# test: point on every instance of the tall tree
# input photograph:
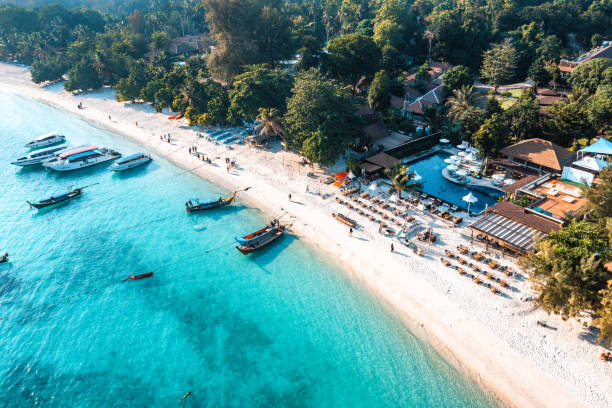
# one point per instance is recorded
(350, 57)
(498, 63)
(379, 96)
(402, 179)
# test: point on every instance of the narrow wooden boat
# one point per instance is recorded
(141, 276)
(4, 258)
(259, 239)
(59, 198)
(194, 205)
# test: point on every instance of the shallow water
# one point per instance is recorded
(282, 327)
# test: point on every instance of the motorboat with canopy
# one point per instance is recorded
(38, 156)
(130, 162)
(48, 139)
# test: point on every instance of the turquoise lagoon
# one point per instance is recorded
(280, 328)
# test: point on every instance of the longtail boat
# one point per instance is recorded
(194, 204)
(259, 239)
(4, 258)
(141, 276)
(58, 198)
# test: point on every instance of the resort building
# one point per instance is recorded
(512, 227)
(593, 159)
(419, 94)
(375, 165)
(604, 51)
(539, 154)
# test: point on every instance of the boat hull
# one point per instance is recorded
(51, 201)
(130, 165)
(44, 143)
(64, 166)
(209, 206)
(142, 276)
(262, 242)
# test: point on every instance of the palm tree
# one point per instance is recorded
(402, 179)
(429, 36)
(270, 123)
(462, 100)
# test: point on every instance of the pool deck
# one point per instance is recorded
(473, 182)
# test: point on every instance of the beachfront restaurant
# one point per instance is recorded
(511, 227)
(375, 165)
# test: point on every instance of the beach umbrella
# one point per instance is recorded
(470, 198)
(498, 177)
(452, 167)
(474, 168)
(341, 176)
(455, 157)
(509, 181)
(373, 187)
(417, 177)
(461, 172)
(469, 157)
(449, 161)
(351, 175)
(393, 198)
(444, 141)
(461, 154)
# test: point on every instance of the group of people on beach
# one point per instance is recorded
(165, 137)
(193, 150)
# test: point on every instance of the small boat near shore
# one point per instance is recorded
(56, 199)
(130, 162)
(84, 157)
(4, 258)
(48, 139)
(259, 239)
(38, 156)
(194, 204)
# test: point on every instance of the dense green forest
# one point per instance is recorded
(352, 53)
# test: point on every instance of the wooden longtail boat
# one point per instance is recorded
(259, 239)
(4, 258)
(194, 205)
(58, 199)
(141, 276)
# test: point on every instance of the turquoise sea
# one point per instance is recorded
(281, 328)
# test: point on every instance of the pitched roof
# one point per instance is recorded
(604, 51)
(602, 146)
(383, 160)
(436, 96)
(519, 214)
(539, 151)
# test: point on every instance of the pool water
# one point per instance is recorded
(434, 183)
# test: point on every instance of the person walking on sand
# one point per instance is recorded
(350, 232)
(289, 196)
(136, 124)
(392, 249)
(109, 117)
(307, 189)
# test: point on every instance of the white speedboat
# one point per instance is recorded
(82, 159)
(38, 156)
(48, 139)
(130, 162)
(67, 153)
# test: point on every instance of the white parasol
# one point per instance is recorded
(393, 198)
(498, 177)
(452, 167)
(373, 187)
(469, 157)
(461, 172)
(470, 198)
(475, 169)
(509, 181)
(417, 176)
(462, 154)
(351, 175)
(444, 141)
(449, 161)
(455, 157)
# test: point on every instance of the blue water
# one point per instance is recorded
(280, 328)
(430, 168)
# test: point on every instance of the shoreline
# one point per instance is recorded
(463, 341)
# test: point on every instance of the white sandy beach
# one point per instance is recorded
(493, 338)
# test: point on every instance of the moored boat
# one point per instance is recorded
(60, 198)
(130, 162)
(194, 204)
(48, 139)
(38, 156)
(141, 276)
(4, 258)
(259, 239)
(84, 158)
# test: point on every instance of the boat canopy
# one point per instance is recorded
(81, 155)
(77, 151)
(132, 157)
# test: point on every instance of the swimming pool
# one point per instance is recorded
(430, 169)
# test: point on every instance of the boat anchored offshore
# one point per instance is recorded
(259, 239)
(48, 139)
(4, 258)
(58, 198)
(38, 156)
(81, 158)
(130, 162)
